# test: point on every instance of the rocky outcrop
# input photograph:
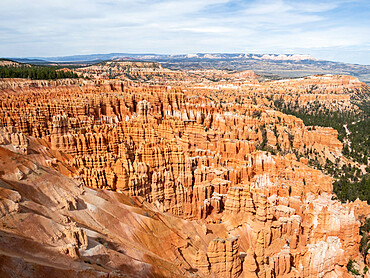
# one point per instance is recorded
(9, 202)
(76, 239)
(223, 256)
(13, 140)
(165, 155)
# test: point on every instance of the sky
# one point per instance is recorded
(336, 30)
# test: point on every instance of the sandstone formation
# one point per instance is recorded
(170, 181)
(151, 72)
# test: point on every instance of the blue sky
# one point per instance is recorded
(331, 30)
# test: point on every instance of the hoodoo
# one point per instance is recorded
(112, 178)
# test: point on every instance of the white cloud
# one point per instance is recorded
(48, 28)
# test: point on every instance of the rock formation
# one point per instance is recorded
(112, 172)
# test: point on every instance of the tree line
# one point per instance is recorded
(35, 72)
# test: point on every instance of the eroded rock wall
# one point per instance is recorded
(191, 154)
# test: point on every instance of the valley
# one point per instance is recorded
(134, 169)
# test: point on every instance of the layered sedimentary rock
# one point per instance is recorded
(223, 256)
(151, 72)
(12, 139)
(165, 155)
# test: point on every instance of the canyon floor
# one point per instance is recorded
(136, 170)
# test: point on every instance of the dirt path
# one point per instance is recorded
(346, 139)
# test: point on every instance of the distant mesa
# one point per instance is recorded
(284, 65)
(114, 56)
